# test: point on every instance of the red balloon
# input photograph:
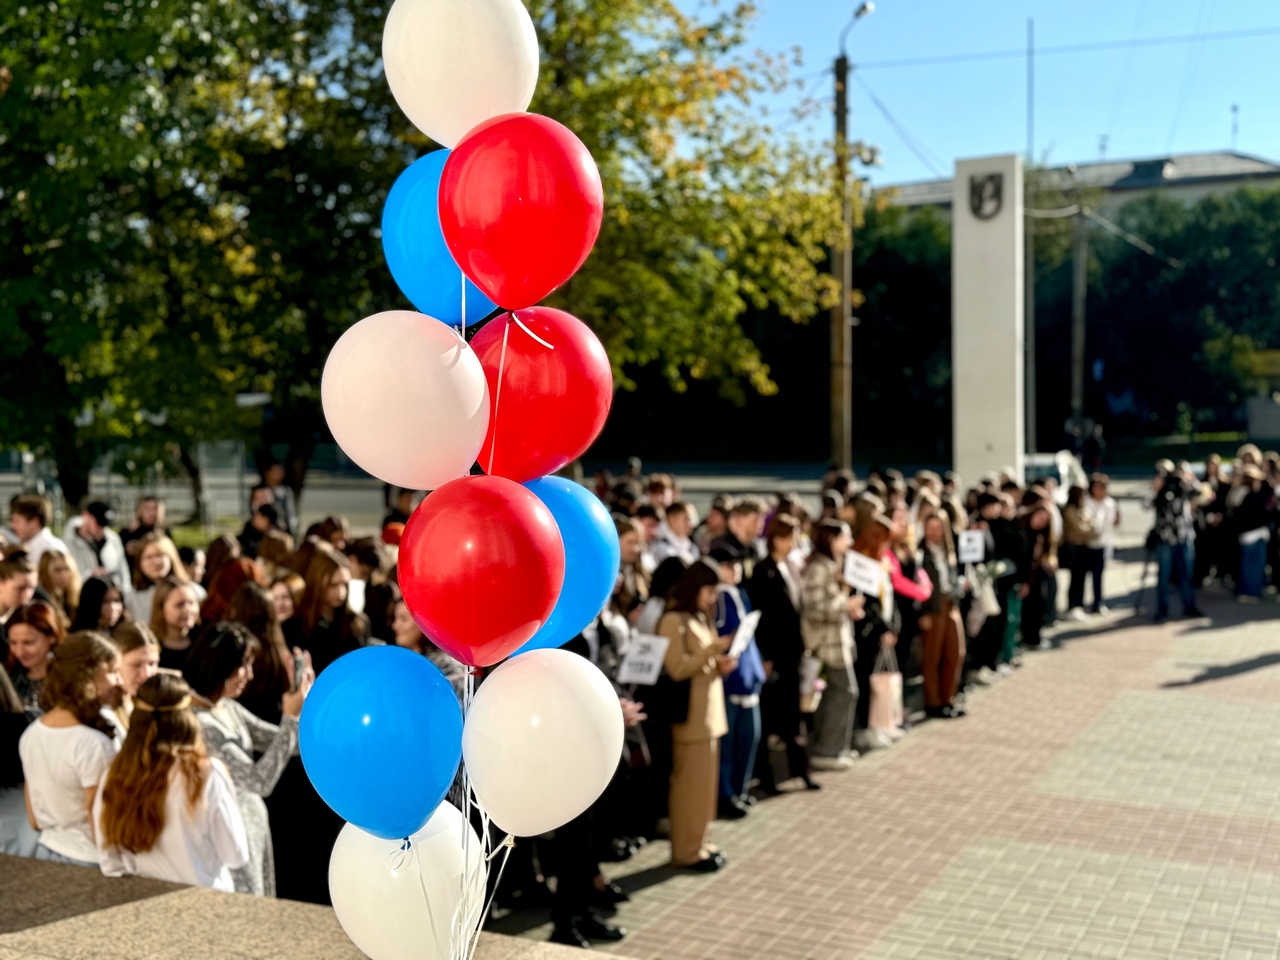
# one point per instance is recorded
(520, 206)
(552, 397)
(481, 567)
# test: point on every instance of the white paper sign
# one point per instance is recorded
(863, 573)
(973, 546)
(746, 630)
(643, 663)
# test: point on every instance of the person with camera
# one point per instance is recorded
(1174, 536)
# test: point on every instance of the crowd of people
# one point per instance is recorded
(151, 695)
(151, 698)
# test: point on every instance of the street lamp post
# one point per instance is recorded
(842, 267)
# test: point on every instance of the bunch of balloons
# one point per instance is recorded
(507, 563)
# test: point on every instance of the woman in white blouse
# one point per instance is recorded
(165, 809)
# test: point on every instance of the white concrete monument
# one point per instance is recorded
(987, 317)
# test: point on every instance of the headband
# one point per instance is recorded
(180, 705)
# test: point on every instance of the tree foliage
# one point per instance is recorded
(190, 194)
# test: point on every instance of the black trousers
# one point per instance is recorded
(867, 649)
(576, 868)
(780, 717)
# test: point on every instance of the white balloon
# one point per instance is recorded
(401, 906)
(406, 399)
(454, 63)
(542, 740)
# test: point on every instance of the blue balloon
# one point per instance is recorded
(591, 559)
(413, 242)
(381, 739)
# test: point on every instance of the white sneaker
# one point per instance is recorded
(1077, 614)
(1004, 669)
(886, 740)
(1103, 610)
(829, 763)
(986, 676)
(893, 735)
(866, 741)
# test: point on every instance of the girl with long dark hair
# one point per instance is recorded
(218, 669)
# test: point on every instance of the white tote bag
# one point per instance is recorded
(886, 693)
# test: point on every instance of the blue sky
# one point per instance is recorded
(1148, 101)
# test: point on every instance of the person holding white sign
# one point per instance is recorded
(695, 654)
(827, 613)
(741, 687)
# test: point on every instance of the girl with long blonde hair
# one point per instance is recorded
(60, 579)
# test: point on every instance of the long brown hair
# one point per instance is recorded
(221, 551)
(252, 606)
(325, 562)
(163, 589)
(163, 732)
(875, 536)
(72, 674)
(176, 570)
(233, 574)
(68, 599)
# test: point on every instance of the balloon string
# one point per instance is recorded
(507, 846)
(497, 397)
(530, 332)
(408, 850)
(463, 279)
(461, 940)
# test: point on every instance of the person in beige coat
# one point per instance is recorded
(695, 654)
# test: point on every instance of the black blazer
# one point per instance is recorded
(778, 634)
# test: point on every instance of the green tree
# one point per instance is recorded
(191, 192)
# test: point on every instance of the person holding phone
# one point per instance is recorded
(218, 669)
(695, 654)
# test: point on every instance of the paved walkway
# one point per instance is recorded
(1116, 797)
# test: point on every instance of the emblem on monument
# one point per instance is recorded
(986, 194)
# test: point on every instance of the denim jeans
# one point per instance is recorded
(44, 853)
(738, 748)
(16, 836)
(1253, 568)
(1174, 560)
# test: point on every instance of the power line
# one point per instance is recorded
(914, 145)
(1124, 75)
(1132, 239)
(1189, 71)
(1073, 48)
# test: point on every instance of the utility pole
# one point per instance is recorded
(1031, 90)
(842, 267)
(1029, 334)
(1079, 288)
(842, 270)
(1235, 125)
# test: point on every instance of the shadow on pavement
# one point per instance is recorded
(1222, 671)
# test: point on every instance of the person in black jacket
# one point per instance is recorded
(774, 590)
(1003, 543)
